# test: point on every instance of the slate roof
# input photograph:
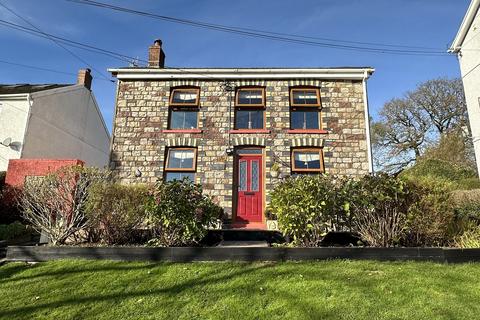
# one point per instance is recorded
(28, 88)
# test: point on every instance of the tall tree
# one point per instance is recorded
(443, 101)
(408, 125)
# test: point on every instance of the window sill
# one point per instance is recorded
(317, 131)
(250, 131)
(182, 131)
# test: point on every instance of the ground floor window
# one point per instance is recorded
(307, 160)
(180, 163)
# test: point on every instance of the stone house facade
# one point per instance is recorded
(238, 132)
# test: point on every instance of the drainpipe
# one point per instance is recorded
(110, 164)
(367, 122)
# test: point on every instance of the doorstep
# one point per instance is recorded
(246, 226)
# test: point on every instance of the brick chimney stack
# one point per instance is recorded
(156, 56)
(85, 78)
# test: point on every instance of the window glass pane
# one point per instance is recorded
(249, 119)
(242, 176)
(297, 119)
(307, 159)
(170, 176)
(178, 159)
(250, 96)
(255, 176)
(305, 97)
(183, 119)
(184, 96)
(241, 119)
(249, 151)
(311, 120)
(304, 119)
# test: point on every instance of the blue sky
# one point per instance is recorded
(426, 23)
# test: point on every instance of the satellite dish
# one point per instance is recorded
(7, 142)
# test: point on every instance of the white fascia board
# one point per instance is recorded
(16, 96)
(236, 74)
(465, 26)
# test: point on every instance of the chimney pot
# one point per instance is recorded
(156, 56)
(85, 78)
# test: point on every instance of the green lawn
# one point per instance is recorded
(79, 289)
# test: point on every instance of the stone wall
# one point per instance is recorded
(142, 114)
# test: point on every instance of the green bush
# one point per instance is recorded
(467, 208)
(380, 205)
(12, 231)
(115, 211)
(307, 207)
(2, 180)
(179, 213)
(468, 184)
(431, 218)
(9, 211)
(468, 239)
(459, 176)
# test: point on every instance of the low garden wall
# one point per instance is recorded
(188, 254)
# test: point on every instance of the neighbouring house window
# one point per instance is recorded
(184, 105)
(307, 160)
(305, 108)
(250, 108)
(180, 163)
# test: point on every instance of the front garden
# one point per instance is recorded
(433, 204)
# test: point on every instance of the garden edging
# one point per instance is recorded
(187, 254)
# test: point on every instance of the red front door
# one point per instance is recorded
(249, 188)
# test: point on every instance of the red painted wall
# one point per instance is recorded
(20, 168)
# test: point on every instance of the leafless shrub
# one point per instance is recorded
(55, 203)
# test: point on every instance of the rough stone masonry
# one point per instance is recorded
(142, 109)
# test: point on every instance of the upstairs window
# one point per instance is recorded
(183, 119)
(184, 105)
(307, 160)
(180, 163)
(250, 108)
(250, 97)
(185, 97)
(305, 97)
(305, 108)
(301, 118)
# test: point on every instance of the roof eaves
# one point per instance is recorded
(465, 26)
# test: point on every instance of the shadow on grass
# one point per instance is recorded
(79, 267)
(175, 289)
(9, 270)
(352, 278)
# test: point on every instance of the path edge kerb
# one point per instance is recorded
(190, 254)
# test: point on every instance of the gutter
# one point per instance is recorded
(15, 96)
(465, 26)
(235, 74)
(367, 123)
